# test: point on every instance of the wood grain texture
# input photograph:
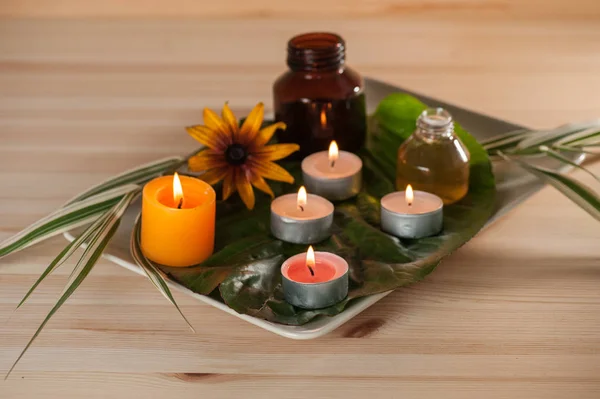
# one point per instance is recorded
(513, 314)
(307, 9)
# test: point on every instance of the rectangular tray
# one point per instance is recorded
(514, 186)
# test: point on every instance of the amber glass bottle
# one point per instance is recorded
(433, 159)
(319, 98)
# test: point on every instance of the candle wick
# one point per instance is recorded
(410, 204)
(180, 204)
(301, 208)
(312, 272)
(332, 163)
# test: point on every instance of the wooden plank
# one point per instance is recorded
(308, 9)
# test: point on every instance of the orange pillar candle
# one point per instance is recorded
(178, 220)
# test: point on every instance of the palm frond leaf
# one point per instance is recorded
(95, 246)
(565, 132)
(138, 175)
(577, 192)
(65, 254)
(585, 137)
(590, 150)
(72, 216)
(507, 140)
(556, 155)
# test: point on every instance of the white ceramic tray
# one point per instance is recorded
(514, 186)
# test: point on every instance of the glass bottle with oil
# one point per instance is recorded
(433, 158)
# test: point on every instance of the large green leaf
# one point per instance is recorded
(247, 259)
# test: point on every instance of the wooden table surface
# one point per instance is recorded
(85, 94)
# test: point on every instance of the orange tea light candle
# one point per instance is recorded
(178, 220)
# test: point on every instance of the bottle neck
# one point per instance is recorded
(316, 52)
(434, 123)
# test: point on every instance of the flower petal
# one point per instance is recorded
(206, 159)
(271, 170)
(260, 183)
(230, 121)
(210, 138)
(229, 184)
(267, 133)
(215, 175)
(276, 151)
(252, 124)
(216, 124)
(244, 188)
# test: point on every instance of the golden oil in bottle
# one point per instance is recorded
(433, 159)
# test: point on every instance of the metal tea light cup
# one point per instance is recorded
(334, 189)
(301, 231)
(337, 183)
(307, 224)
(316, 295)
(406, 225)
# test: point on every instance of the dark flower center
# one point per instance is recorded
(236, 154)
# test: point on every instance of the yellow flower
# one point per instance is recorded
(239, 154)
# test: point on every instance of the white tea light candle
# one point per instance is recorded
(302, 218)
(335, 175)
(411, 214)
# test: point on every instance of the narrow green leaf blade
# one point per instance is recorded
(138, 175)
(549, 136)
(579, 150)
(61, 258)
(506, 141)
(70, 249)
(587, 136)
(504, 136)
(106, 223)
(70, 217)
(154, 275)
(577, 192)
(553, 154)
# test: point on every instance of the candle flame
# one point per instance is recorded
(409, 196)
(323, 118)
(177, 191)
(310, 260)
(333, 153)
(302, 198)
